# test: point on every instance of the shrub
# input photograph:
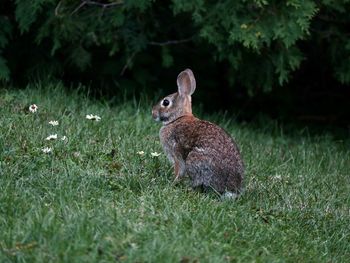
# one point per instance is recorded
(262, 42)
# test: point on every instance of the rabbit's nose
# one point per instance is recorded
(154, 114)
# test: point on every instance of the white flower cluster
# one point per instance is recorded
(154, 154)
(33, 109)
(53, 123)
(93, 117)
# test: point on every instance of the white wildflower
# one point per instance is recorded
(141, 153)
(93, 117)
(134, 245)
(155, 154)
(33, 108)
(64, 138)
(46, 150)
(53, 123)
(277, 177)
(51, 137)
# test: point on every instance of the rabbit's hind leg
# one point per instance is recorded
(199, 170)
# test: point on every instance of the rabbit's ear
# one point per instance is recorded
(186, 83)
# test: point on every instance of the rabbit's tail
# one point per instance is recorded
(230, 196)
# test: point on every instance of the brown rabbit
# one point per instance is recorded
(200, 149)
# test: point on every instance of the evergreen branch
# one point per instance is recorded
(154, 43)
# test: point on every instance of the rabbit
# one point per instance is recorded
(197, 148)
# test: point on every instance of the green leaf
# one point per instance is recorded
(167, 58)
(4, 70)
(5, 31)
(80, 57)
(27, 11)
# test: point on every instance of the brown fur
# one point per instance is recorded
(200, 149)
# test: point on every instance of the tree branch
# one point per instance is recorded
(94, 3)
(77, 9)
(127, 64)
(170, 42)
(117, 3)
(58, 8)
(154, 43)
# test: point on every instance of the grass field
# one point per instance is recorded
(94, 198)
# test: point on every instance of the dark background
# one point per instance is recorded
(286, 60)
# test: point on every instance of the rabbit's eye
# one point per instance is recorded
(165, 103)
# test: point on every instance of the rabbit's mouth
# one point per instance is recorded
(156, 118)
(163, 119)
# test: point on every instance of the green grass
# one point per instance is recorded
(94, 199)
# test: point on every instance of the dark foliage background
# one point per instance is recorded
(290, 59)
